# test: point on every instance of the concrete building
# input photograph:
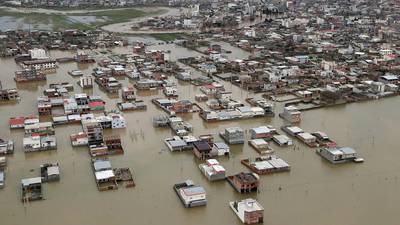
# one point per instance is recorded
(249, 211)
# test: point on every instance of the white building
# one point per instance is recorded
(291, 114)
(212, 170)
(220, 148)
(118, 121)
(192, 194)
(249, 211)
(38, 53)
(86, 81)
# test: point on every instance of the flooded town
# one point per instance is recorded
(199, 112)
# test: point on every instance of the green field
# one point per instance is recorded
(167, 36)
(60, 21)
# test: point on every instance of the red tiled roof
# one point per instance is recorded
(96, 104)
(17, 120)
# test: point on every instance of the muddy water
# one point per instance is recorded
(9, 23)
(314, 192)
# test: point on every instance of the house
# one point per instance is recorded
(190, 194)
(244, 182)
(377, 87)
(184, 76)
(209, 138)
(209, 89)
(98, 150)
(3, 161)
(29, 74)
(2, 178)
(246, 111)
(282, 140)
(6, 147)
(176, 143)
(74, 118)
(57, 120)
(249, 211)
(105, 180)
(305, 95)
(338, 155)
(208, 68)
(308, 139)
(79, 139)
(94, 132)
(8, 94)
(233, 135)
(266, 165)
(323, 139)
(146, 84)
(171, 91)
(292, 130)
(291, 114)
(181, 106)
(31, 189)
(41, 128)
(117, 121)
(131, 106)
(104, 121)
(35, 142)
(114, 145)
(389, 79)
(202, 150)
(86, 82)
(16, 122)
(201, 97)
(223, 95)
(83, 57)
(263, 132)
(128, 93)
(391, 87)
(50, 172)
(44, 108)
(220, 148)
(104, 175)
(40, 64)
(110, 84)
(180, 127)
(212, 170)
(118, 71)
(75, 73)
(302, 59)
(261, 146)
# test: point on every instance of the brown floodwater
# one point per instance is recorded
(314, 192)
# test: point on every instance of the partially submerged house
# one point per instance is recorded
(244, 182)
(104, 175)
(291, 114)
(190, 194)
(50, 172)
(2, 179)
(266, 165)
(31, 189)
(339, 155)
(212, 170)
(233, 135)
(6, 147)
(202, 150)
(249, 211)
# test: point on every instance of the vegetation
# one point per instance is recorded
(167, 37)
(59, 21)
(117, 15)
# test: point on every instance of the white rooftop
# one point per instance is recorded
(106, 174)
